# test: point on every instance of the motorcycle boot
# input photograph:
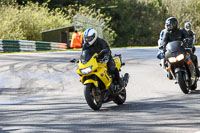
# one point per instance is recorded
(197, 69)
(163, 64)
(197, 72)
(195, 60)
(121, 82)
(114, 71)
(119, 79)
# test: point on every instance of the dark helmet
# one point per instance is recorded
(171, 23)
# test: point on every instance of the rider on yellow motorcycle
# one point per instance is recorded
(95, 44)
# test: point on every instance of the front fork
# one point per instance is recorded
(93, 81)
(97, 89)
(170, 69)
(185, 74)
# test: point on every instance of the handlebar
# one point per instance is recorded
(100, 61)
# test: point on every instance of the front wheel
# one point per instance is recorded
(91, 97)
(181, 82)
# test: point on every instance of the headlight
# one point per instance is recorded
(86, 70)
(180, 57)
(175, 59)
(172, 59)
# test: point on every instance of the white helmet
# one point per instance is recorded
(90, 36)
(188, 26)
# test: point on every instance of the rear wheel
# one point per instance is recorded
(121, 98)
(181, 82)
(91, 97)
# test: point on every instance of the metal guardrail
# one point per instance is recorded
(25, 45)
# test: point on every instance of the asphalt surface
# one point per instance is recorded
(41, 92)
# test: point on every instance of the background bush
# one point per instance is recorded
(138, 23)
(127, 22)
(89, 13)
(26, 22)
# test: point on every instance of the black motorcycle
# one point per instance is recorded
(180, 66)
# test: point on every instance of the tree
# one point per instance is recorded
(26, 22)
(137, 23)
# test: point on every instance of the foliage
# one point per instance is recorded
(99, 4)
(127, 22)
(185, 11)
(137, 23)
(7, 2)
(190, 12)
(93, 18)
(26, 22)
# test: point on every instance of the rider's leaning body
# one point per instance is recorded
(95, 45)
(173, 33)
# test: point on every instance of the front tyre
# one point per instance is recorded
(93, 100)
(121, 98)
(181, 82)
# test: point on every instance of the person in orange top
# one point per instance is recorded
(76, 41)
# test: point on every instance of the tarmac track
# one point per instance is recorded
(41, 92)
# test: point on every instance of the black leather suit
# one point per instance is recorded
(177, 35)
(191, 35)
(174, 35)
(99, 45)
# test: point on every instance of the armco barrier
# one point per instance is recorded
(25, 45)
(42, 46)
(11, 46)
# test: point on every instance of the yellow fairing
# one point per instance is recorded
(91, 81)
(98, 69)
(103, 75)
(92, 62)
(117, 62)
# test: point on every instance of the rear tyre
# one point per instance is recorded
(91, 98)
(181, 82)
(121, 98)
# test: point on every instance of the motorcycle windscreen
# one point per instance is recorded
(173, 46)
(86, 55)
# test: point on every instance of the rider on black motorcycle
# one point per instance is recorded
(95, 45)
(190, 34)
(173, 33)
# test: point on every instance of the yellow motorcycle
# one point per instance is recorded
(100, 86)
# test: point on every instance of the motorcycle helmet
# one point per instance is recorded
(90, 36)
(171, 24)
(188, 26)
